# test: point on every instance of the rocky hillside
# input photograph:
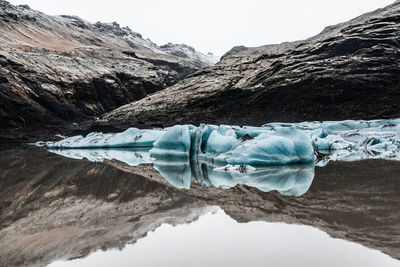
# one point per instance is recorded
(62, 68)
(350, 70)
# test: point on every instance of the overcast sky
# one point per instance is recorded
(214, 25)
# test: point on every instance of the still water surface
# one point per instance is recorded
(217, 240)
(59, 211)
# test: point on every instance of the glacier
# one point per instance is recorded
(275, 156)
(132, 137)
(208, 143)
(270, 144)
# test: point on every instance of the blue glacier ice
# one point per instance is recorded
(218, 143)
(350, 140)
(284, 146)
(271, 144)
(132, 137)
(174, 143)
(221, 144)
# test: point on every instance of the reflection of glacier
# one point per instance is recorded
(130, 156)
(294, 179)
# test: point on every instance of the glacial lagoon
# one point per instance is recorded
(205, 204)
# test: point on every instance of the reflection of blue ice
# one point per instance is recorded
(130, 156)
(291, 180)
(178, 173)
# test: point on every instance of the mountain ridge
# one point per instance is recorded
(57, 69)
(349, 71)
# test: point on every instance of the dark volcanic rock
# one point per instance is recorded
(62, 68)
(348, 71)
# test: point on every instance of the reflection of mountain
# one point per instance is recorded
(53, 207)
(357, 201)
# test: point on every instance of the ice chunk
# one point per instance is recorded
(274, 143)
(174, 143)
(40, 143)
(218, 143)
(284, 146)
(132, 137)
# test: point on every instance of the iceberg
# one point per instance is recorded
(174, 143)
(132, 137)
(271, 144)
(349, 140)
(221, 144)
(284, 146)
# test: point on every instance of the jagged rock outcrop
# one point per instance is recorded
(53, 207)
(185, 51)
(62, 68)
(348, 71)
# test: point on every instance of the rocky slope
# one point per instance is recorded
(62, 68)
(350, 70)
(53, 207)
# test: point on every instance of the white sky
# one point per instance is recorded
(214, 25)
